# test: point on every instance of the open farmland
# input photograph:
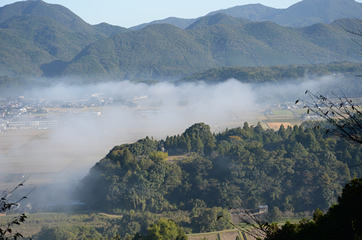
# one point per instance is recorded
(287, 117)
(35, 152)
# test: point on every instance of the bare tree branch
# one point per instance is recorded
(342, 114)
(255, 227)
(6, 232)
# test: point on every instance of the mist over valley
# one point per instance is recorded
(203, 121)
(56, 134)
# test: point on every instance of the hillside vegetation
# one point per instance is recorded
(295, 169)
(40, 39)
(164, 51)
(196, 177)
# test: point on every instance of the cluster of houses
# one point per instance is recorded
(24, 113)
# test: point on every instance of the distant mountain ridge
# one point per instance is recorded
(40, 39)
(56, 12)
(219, 18)
(308, 12)
(163, 51)
(252, 12)
(301, 14)
(178, 22)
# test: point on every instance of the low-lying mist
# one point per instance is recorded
(124, 112)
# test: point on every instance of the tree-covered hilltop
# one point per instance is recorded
(295, 169)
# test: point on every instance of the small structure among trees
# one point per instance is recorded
(263, 209)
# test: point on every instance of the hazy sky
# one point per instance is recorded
(130, 13)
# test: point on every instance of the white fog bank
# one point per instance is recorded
(134, 110)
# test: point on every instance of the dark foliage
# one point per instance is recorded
(164, 229)
(294, 169)
(342, 221)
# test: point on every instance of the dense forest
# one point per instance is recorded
(342, 220)
(199, 174)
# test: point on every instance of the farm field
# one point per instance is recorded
(31, 152)
(286, 117)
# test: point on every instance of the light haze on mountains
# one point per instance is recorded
(132, 13)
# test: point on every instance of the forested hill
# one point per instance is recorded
(167, 52)
(37, 37)
(40, 39)
(296, 169)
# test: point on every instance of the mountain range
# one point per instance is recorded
(301, 14)
(41, 39)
